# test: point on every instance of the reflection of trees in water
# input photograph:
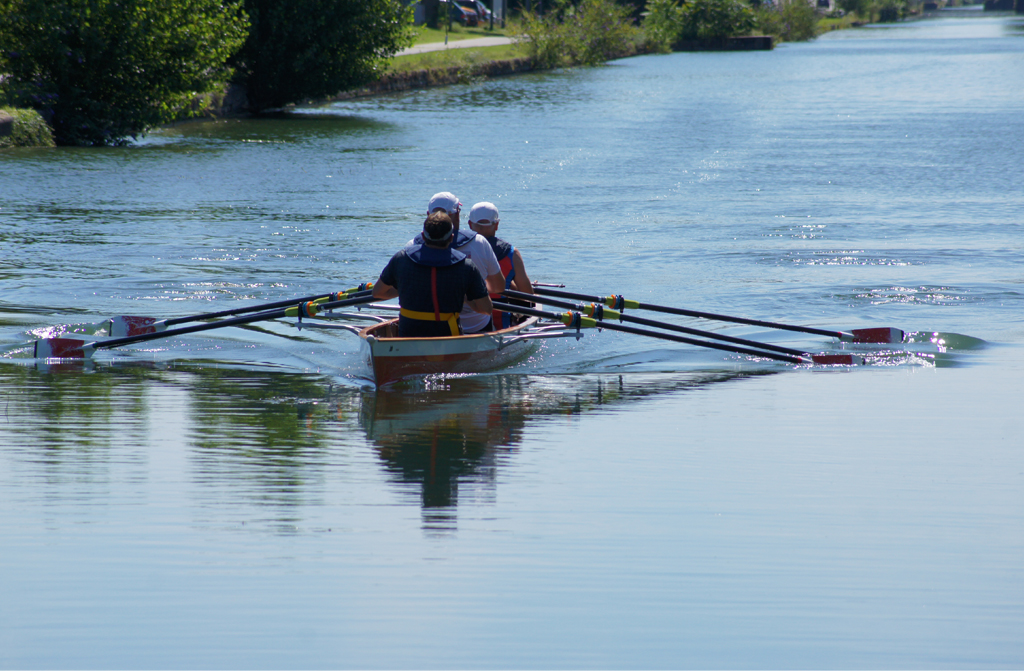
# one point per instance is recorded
(269, 437)
(458, 434)
(72, 406)
(72, 421)
(261, 432)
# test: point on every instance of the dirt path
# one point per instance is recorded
(457, 44)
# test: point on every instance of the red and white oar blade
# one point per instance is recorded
(124, 326)
(837, 359)
(882, 335)
(61, 348)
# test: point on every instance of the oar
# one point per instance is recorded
(578, 321)
(600, 312)
(73, 348)
(873, 335)
(125, 325)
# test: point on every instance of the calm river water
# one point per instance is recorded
(241, 498)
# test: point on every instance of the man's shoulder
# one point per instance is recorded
(480, 244)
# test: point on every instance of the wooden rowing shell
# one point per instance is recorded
(391, 358)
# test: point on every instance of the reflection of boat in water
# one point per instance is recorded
(450, 441)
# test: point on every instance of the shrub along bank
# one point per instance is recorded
(23, 128)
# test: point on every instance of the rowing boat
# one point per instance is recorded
(391, 358)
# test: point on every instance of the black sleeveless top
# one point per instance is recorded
(456, 282)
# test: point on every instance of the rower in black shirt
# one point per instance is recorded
(432, 281)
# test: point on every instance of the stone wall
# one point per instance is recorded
(755, 43)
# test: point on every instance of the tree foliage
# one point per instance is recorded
(101, 71)
(302, 49)
(589, 33)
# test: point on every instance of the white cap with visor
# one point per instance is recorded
(446, 201)
(483, 213)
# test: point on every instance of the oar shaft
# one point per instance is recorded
(659, 324)
(696, 313)
(504, 307)
(255, 308)
(129, 340)
(237, 321)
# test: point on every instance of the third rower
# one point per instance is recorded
(483, 219)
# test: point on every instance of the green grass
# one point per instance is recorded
(827, 24)
(454, 57)
(424, 35)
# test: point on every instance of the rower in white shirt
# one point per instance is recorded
(476, 248)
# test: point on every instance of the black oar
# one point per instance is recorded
(873, 335)
(600, 312)
(125, 325)
(73, 348)
(576, 320)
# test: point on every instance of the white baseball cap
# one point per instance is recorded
(444, 200)
(483, 212)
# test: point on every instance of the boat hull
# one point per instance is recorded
(392, 359)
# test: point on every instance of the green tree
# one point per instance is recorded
(302, 49)
(101, 71)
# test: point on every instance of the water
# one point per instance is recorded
(242, 498)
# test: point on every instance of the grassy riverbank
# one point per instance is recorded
(425, 35)
(469, 57)
(23, 128)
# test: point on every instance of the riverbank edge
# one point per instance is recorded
(231, 102)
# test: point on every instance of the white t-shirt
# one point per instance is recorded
(479, 250)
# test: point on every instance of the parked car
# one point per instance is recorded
(463, 15)
(483, 14)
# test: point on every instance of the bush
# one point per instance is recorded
(890, 11)
(101, 71)
(302, 49)
(862, 8)
(667, 21)
(592, 32)
(29, 129)
(715, 19)
(794, 22)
